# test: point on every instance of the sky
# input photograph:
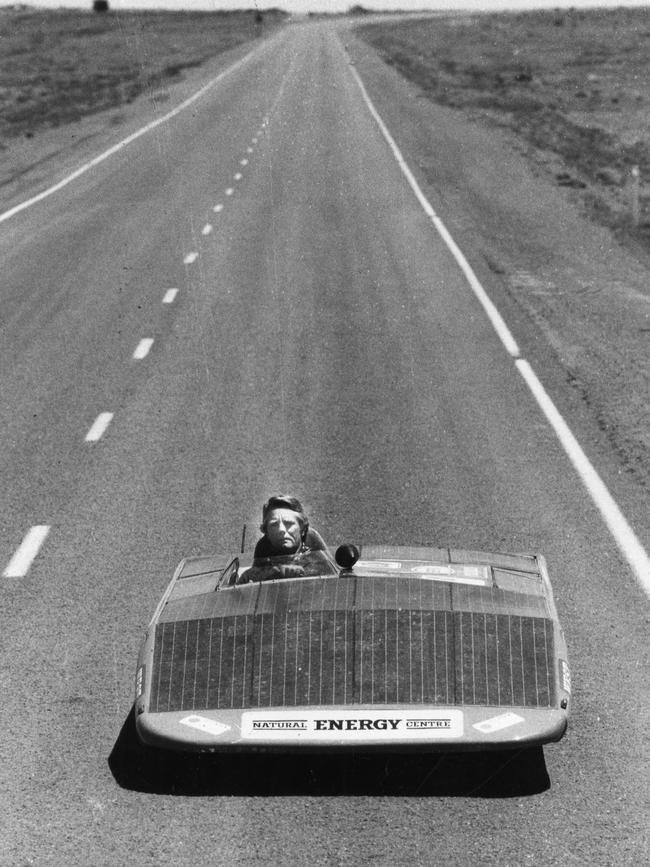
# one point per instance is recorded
(334, 5)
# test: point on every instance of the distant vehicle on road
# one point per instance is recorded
(377, 648)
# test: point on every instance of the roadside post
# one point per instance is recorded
(635, 196)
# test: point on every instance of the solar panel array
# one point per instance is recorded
(353, 640)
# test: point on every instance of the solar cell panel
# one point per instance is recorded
(353, 640)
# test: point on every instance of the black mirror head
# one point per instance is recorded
(346, 556)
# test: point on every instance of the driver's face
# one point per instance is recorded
(283, 530)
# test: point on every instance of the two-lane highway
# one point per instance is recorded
(250, 298)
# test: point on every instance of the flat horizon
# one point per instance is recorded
(334, 6)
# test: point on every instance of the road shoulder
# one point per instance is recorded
(578, 302)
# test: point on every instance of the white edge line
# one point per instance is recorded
(492, 313)
(170, 296)
(618, 526)
(127, 141)
(622, 532)
(142, 349)
(98, 427)
(24, 556)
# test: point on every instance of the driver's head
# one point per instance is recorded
(284, 523)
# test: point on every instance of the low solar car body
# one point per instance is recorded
(405, 649)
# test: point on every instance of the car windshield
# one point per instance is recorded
(304, 565)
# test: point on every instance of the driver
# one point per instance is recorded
(287, 539)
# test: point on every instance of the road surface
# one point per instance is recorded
(249, 298)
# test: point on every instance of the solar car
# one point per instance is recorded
(368, 648)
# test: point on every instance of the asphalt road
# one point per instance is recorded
(323, 341)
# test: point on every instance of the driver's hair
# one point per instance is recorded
(284, 501)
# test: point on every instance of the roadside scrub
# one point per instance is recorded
(574, 85)
(57, 66)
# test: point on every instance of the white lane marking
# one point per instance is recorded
(238, 176)
(170, 296)
(98, 427)
(24, 556)
(618, 526)
(217, 209)
(243, 162)
(489, 307)
(127, 141)
(191, 257)
(229, 191)
(624, 536)
(206, 229)
(254, 142)
(142, 349)
(249, 150)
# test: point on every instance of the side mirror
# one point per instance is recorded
(346, 556)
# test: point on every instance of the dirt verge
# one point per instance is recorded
(61, 65)
(574, 85)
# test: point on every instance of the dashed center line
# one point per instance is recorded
(99, 427)
(142, 349)
(19, 564)
(125, 142)
(33, 541)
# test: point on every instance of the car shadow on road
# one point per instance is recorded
(512, 773)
